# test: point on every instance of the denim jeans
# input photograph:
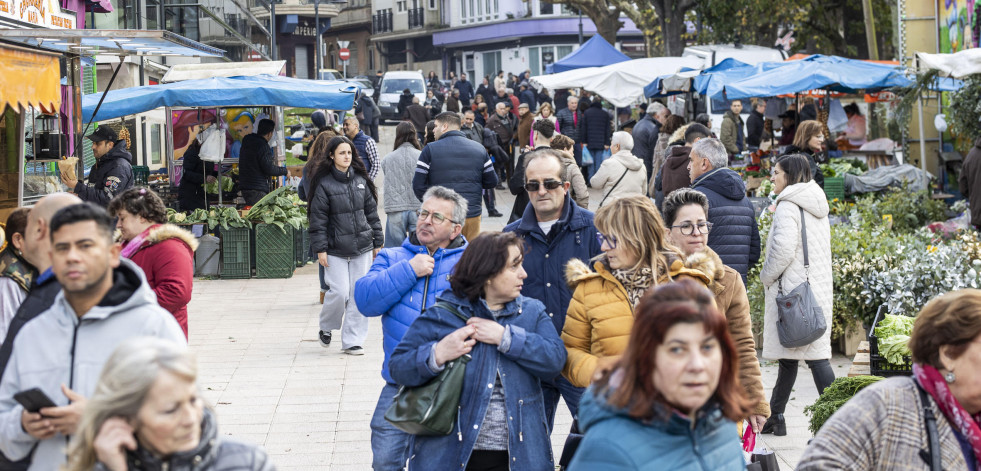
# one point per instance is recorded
(552, 390)
(787, 376)
(389, 445)
(398, 226)
(598, 157)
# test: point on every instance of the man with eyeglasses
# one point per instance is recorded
(403, 282)
(555, 231)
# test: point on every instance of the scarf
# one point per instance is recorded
(13, 266)
(934, 384)
(636, 282)
(135, 243)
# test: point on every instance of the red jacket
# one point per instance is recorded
(167, 259)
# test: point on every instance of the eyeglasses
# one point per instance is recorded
(689, 228)
(607, 239)
(438, 218)
(550, 185)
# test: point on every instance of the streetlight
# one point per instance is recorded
(316, 15)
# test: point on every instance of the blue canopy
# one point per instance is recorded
(258, 90)
(593, 53)
(691, 80)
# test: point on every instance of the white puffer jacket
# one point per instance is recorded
(785, 256)
(634, 181)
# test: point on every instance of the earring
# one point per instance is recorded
(949, 377)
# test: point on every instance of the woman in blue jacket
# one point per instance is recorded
(673, 409)
(513, 345)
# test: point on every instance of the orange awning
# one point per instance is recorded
(29, 78)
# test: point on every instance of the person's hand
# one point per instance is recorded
(374, 253)
(606, 147)
(603, 365)
(70, 183)
(757, 421)
(422, 264)
(66, 418)
(37, 426)
(322, 258)
(486, 330)
(114, 438)
(455, 345)
(210, 179)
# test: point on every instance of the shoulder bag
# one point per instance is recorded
(614, 187)
(431, 409)
(800, 319)
(933, 456)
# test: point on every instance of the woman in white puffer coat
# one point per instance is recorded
(785, 257)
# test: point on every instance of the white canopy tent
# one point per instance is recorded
(956, 65)
(621, 84)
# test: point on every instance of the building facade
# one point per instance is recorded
(403, 34)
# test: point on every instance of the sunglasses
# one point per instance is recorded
(550, 185)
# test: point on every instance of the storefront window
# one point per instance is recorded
(155, 149)
(9, 158)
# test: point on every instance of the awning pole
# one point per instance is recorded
(919, 111)
(96, 112)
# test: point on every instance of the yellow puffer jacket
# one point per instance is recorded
(600, 317)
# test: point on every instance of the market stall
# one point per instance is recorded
(593, 53)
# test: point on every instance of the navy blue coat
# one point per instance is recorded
(595, 127)
(537, 353)
(458, 163)
(466, 91)
(573, 236)
(735, 235)
(528, 96)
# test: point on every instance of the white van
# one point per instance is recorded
(392, 85)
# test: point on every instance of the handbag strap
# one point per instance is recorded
(449, 307)
(933, 437)
(614, 186)
(807, 263)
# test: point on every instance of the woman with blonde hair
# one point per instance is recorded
(546, 112)
(809, 141)
(636, 257)
(147, 414)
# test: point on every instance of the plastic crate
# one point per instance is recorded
(141, 173)
(274, 255)
(301, 246)
(834, 188)
(878, 366)
(236, 248)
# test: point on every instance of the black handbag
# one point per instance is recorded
(800, 319)
(571, 445)
(431, 409)
(766, 460)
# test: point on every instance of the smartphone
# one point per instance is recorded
(34, 400)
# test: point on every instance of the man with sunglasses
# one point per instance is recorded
(555, 231)
(403, 282)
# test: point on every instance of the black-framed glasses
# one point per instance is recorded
(688, 228)
(438, 218)
(550, 185)
(610, 240)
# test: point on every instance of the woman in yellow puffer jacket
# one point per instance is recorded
(636, 257)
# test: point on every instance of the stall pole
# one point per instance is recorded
(96, 112)
(919, 112)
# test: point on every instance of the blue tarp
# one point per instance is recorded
(691, 80)
(258, 90)
(815, 72)
(593, 53)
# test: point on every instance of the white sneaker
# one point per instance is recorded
(355, 350)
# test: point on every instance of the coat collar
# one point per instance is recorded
(573, 217)
(201, 457)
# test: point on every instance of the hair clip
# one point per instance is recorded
(142, 191)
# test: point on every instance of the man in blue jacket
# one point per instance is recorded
(402, 282)
(459, 164)
(735, 235)
(555, 231)
(466, 90)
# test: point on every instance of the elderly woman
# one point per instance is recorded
(801, 204)
(636, 257)
(809, 141)
(513, 345)
(570, 169)
(686, 217)
(545, 112)
(164, 251)
(672, 400)
(623, 174)
(147, 414)
(885, 426)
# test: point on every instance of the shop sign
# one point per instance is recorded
(42, 13)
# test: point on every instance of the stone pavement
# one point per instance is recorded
(264, 371)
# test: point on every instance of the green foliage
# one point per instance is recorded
(835, 396)
(907, 210)
(903, 113)
(227, 185)
(841, 167)
(280, 207)
(964, 110)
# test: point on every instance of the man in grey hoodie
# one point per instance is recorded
(104, 300)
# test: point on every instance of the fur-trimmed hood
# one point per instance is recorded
(577, 271)
(169, 231)
(679, 134)
(707, 262)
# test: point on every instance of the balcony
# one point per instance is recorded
(417, 18)
(381, 21)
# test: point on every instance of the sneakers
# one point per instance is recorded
(355, 350)
(324, 338)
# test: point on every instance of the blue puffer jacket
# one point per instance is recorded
(735, 235)
(615, 441)
(392, 290)
(574, 236)
(536, 353)
(458, 163)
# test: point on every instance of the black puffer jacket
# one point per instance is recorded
(111, 175)
(735, 237)
(344, 215)
(256, 165)
(816, 172)
(191, 192)
(595, 127)
(213, 453)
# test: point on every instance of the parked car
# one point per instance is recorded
(330, 74)
(392, 84)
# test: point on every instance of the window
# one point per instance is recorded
(473, 13)
(155, 149)
(480, 8)
(545, 8)
(534, 60)
(432, 4)
(152, 14)
(463, 11)
(401, 6)
(562, 51)
(492, 63)
(371, 59)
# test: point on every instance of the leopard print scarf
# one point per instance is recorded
(636, 282)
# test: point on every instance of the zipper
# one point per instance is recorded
(71, 369)
(459, 431)
(521, 433)
(425, 287)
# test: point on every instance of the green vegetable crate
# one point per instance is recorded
(274, 255)
(141, 173)
(878, 366)
(235, 253)
(301, 246)
(834, 188)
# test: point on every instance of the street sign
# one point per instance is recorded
(344, 54)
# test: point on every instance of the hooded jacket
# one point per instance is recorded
(57, 347)
(623, 163)
(600, 317)
(732, 134)
(392, 290)
(572, 174)
(256, 165)
(535, 354)
(674, 173)
(595, 126)
(344, 215)
(970, 181)
(735, 235)
(785, 257)
(167, 259)
(615, 441)
(111, 175)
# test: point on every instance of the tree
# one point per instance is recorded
(605, 15)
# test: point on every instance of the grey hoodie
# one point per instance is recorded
(58, 348)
